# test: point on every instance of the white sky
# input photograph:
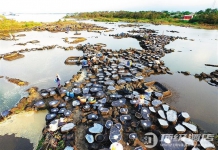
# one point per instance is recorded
(69, 6)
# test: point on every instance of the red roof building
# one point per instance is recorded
(187, 17)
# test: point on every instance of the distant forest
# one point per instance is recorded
(208, 16)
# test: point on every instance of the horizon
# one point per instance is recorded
(72, 6)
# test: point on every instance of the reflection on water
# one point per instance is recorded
(10, 142)
(27, 125)
(199, 99)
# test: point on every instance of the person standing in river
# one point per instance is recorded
(58, 80)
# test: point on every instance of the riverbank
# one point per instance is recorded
(8, 27)
(170, 21)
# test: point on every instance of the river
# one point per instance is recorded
(40, 67)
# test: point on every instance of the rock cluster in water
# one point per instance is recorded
(97, 107)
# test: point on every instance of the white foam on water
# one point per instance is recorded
(27, 125)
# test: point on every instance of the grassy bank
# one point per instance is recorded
(165, 21)
(11, 26)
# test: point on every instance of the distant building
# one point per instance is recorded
(188, 17)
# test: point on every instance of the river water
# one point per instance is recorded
(40, 67)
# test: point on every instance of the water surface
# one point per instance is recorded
(199, 99)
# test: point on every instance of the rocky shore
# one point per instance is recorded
(60, 26)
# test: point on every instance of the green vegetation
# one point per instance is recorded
(202, 19)
(40, 144)
(61, 145)
(10, 26)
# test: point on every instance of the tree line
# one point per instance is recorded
(209, 16)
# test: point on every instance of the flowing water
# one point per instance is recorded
(40, 67)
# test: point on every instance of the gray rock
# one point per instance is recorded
(67, 127)
(97, 128)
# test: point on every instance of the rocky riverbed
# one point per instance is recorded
(97, 106)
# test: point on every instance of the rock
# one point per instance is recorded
(124, 111)
(161, 113)
(17, 81)
(5, 113)
(20, 35)
(89, 138)
(40, 104)
(62, 105)
(172, 116)
(50, 117)
(53, 126)
(108, 124)
(92, 117)
(54, 103)
(206, 144)
(33, 42)
(184, 116)
(115, 135)
(76, 103)
(185, 72)
(191, 127)
(125, 118)
(68, 148)
(145, 124)
(152, 109)
(97, 128)
(119, 103)
(67, 127)
(104, 111)
(145, 112)
(67, 113)
(165, 107)
(187, 141)
(54, 110)
(12, 56)
(62, 110)
(156, 103)
(180, 129)
(52, 93)
(164, 124)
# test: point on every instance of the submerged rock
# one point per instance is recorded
(5, 113)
